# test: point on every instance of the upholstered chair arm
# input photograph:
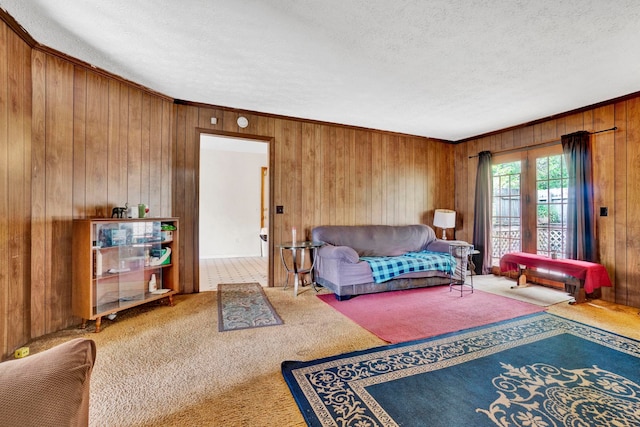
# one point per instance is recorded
(344, 253)
(50, 388)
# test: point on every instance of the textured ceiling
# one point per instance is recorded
(446, 69)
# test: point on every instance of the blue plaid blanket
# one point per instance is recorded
(386, 268)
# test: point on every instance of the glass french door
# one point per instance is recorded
(551, 205)
(506, 234)
(529, 203)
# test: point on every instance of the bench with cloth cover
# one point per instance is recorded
(579, 277)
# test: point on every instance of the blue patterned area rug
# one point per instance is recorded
(537, 370)
(244, 305)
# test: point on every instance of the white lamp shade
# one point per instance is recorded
(444, 218)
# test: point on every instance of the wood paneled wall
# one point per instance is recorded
(15, 189)
(320, 173)
(74, 143)
(97, 143)
(616, 175)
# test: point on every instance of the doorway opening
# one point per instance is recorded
(233, 211)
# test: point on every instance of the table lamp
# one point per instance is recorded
(444, 218)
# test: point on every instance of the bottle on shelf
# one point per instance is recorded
(153, 285)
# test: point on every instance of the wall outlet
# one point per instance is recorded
(21, 352)
(604, 211)
(279, 209)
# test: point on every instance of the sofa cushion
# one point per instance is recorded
(49, 388)
(377, 240)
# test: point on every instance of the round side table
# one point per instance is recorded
(297, 265)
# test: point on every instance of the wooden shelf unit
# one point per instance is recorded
(114, 260)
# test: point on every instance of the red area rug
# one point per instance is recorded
(412, 314)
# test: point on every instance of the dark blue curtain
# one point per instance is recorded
(482, 216)
(581, 236)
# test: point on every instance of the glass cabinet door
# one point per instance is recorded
(126, 263)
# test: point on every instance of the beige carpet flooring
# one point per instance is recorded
(160, 365)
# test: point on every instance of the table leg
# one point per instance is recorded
(575, 287)
(286, 269)
(521, 281)
(295, 271)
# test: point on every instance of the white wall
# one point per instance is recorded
(230, 179)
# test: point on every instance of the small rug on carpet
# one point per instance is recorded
(535, 294)
(244, 305)
(398, 316)
(537, 370)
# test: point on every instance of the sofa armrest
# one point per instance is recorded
(345, 253)
(50, 388)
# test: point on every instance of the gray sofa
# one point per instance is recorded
(339, 268)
